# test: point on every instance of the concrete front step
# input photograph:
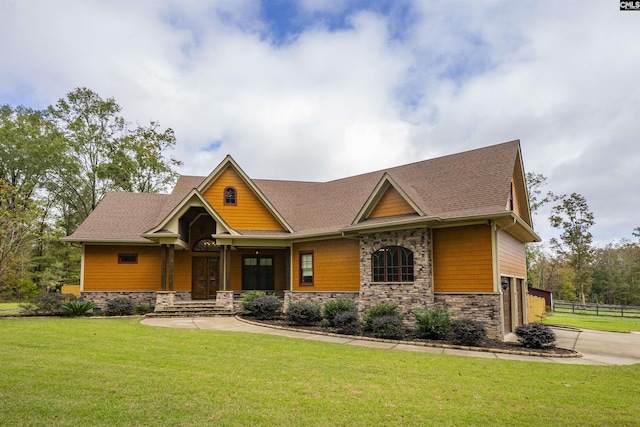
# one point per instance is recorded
(192, 309)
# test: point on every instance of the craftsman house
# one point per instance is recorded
(449, 232)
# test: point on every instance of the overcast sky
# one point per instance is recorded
(321, 89)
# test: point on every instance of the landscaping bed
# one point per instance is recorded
(410, 337)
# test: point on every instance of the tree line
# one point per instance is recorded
(56, 165)
(571, 266)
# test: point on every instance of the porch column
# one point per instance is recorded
(287, 267)
(226, 263)
(171, 262)
(163, 268)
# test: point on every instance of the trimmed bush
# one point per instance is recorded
(76, 308)
(382, 309)
(265, 307)
(304, 313)
(48, 303)
(432, 324)
(468, 332)
(143, 309)
(348, 323)
(119, 307)
(334, 307)
(536, 335)
(390, 327)
(247, 297)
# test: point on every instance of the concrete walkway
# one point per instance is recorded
(597, 348)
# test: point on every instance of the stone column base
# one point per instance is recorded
(224, 299)
(165, 298)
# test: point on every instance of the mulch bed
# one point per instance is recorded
(409, 337)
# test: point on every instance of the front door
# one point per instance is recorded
(257, 273)
(205, 278)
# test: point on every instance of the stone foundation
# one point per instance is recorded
(319, 297)
(148, 298)
(483, 307)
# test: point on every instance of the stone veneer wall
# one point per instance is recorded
(316, 297)
(148, 298)
(418, 293)
(483, 307)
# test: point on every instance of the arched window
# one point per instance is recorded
(392, 264)
(230, 196)
(205, 245)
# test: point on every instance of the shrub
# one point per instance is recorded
(334, 307)
(265, 307)
(387, 327)
(348, 323)
(119, 307)
(432, 324)
(304, 313)
(48, 303)
(143, 309)
(536, 335)
(382, 309)
(468, 332)
(76, 308)
(249, 296)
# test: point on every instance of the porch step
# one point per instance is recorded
(192, 309)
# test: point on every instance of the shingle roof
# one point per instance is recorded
(471, 183)
(122, 217)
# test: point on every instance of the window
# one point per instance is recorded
(205, 245)
(230, 196)
(257, 273)
(306, 268)
(392, 264)
(127, 258)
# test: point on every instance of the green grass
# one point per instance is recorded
(108, 372)
(9, 308)
(597, 323)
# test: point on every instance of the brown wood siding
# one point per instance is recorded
(182, 270)
(336, 265)
(391, 203)
(103, 273)
(462, 260)
(512, 258)
(517, 209)
(249, 213)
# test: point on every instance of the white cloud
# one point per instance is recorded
(382, 90)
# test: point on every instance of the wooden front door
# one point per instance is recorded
(204, 284)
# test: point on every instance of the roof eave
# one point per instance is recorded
(84, 241)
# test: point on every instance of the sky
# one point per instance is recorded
(315, 90)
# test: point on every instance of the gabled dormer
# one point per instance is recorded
(175, 227)
(387, 199)
(239, 201)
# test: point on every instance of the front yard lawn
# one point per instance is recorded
(596, 323)
(107, 372)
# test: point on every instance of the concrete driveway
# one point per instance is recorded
(600, 348)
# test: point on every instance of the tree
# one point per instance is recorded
(106, 153)
(30, 147)
(573, 217)
(535, 182)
